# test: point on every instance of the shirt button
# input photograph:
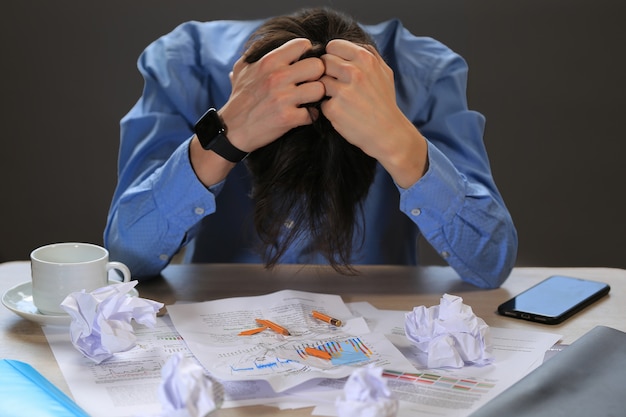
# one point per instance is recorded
(199, 211)
(163, 257)
(445, 254)
(416, 212)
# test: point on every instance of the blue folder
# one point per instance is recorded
(24, 392)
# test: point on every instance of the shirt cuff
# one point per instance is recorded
(179, 193)
(437, 197)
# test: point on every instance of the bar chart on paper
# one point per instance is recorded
(430, 389)
(342, 352)
(441, 381)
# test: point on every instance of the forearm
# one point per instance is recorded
(464, 221)
(404, 153)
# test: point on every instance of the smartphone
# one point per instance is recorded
(554, 299)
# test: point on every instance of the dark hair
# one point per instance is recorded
(310, 182)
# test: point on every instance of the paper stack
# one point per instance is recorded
(270, 368)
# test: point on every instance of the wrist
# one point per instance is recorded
(209, 167)
(407, 162)
(211, 132)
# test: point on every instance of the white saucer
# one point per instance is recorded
(19, 300)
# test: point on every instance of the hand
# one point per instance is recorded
(264, 104)
(362, 108)
(267, 94)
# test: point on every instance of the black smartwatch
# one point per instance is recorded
(212, 135)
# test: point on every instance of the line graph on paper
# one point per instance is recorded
(266, 359)
(258, 359)
(127, 370)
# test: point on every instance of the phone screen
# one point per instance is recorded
(554, 299)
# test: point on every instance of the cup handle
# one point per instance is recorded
(120, 267)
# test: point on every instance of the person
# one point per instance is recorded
(306, 138)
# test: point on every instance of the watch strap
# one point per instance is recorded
(211, 133)
(227, 150)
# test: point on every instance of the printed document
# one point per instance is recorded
(447, 391)
(126, 385)
(211, 330)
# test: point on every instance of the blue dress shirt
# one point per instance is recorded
(159, 204)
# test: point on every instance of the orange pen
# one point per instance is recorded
(327, 319)
(318, 353)
(275, 327)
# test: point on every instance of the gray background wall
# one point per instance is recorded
(548, 75)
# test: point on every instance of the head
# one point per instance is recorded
(311, 181)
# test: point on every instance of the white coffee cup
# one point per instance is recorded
(63, 268)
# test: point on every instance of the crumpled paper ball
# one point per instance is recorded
(450, 334)
(186, 390)
(366, 395)
(101, 319)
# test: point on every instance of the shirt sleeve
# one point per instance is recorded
(456, 204)
(146, 227)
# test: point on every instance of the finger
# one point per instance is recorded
(352, 52)
(294, 117)
(310, 92)
(343, 49)
(305, 116)
(332, 65)
(309, 69)
(331, 85)
(290, 51)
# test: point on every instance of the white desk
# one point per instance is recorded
(386, 287)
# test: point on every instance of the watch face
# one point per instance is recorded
(209, 128)
(211, 133)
